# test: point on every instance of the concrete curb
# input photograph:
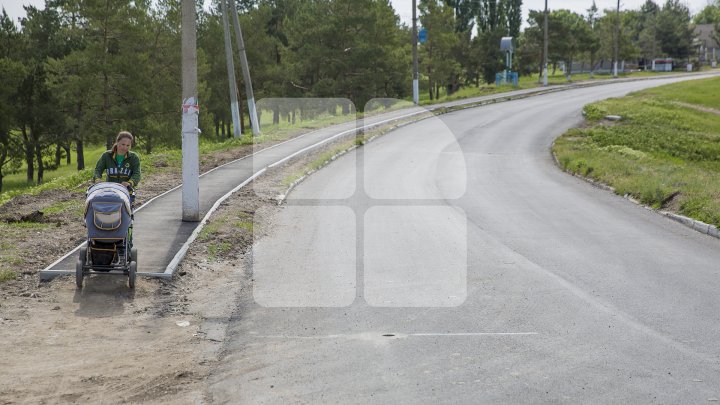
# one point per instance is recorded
(693, 224)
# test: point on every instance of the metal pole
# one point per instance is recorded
(416, 83)
(245, 70)
(234, 108)
(617, 40)
(545, 48)
(190, 112)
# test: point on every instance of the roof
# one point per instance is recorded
(704, 34)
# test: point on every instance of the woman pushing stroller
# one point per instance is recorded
(109, 215)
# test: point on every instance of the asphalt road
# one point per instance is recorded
(451, 262)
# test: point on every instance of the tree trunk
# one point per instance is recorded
(41, 168)
(68, 159)
(3, 156)
(80, 154)
(58, 154)
(29, 159)
(276, 115)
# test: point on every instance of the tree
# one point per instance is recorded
(13, 72)
(465, 13)
(356, 51)
(708, 15)
(37, 116)
(437, 59)
(605, 27)
(513, 11)
(592, 41)
(674, 32)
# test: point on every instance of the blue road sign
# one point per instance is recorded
(422, 35)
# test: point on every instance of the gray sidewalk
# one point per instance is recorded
(160, 235)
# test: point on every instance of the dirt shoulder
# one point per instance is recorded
(107, 343)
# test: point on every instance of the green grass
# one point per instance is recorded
(74, 207)
(244, 221)
(7, 275)
(211, 228)
(664, 152)
(217, 249)
(18, 180)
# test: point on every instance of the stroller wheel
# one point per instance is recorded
(79, 271)
(132, 274)
(133, 254)
(79, 274)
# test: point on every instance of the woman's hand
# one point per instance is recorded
(125, 183)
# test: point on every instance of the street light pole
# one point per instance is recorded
(416, 84)
(545, 48)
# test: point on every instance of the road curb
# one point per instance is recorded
(691, 223)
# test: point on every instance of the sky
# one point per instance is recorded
(404, 7)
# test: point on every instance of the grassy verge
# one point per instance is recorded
(665, 151)
(529, 82)
(225, 232)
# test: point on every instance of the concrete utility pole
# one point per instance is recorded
(545, 48)
(617, 41)
(190, 112)
(245, 70)
(234, 108)
(416, 83)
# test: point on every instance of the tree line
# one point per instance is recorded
(77, 71)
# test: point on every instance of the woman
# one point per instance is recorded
(122, 165)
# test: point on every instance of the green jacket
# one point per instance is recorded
(128, 171)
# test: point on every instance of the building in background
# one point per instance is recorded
(707, 45)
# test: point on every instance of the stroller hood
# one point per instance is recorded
(107, 211)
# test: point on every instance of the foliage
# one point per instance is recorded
(674, 32)
(708, 15)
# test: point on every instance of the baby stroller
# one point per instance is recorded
(109, 249)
